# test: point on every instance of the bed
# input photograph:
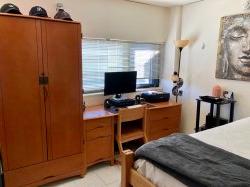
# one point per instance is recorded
(234, 138)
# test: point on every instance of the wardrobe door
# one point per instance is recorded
(62, 43)
(22, 109)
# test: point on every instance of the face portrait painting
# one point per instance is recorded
(233, 60)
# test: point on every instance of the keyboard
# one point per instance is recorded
(122, 102)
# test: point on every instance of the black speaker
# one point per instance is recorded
(138, 99)
(107, 103)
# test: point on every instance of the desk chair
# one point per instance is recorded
(134, 131)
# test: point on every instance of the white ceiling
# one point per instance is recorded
(166, 3)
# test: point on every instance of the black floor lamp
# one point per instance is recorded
(180, 44)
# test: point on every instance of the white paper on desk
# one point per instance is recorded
(134, 106)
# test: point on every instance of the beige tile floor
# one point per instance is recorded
(102, 175)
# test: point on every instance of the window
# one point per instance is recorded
(100, 56)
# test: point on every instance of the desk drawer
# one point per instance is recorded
(99, 150)
(164, 113)
(47, 171)
(97, 128)
(97, 123)
(162, 124)
(162, 133)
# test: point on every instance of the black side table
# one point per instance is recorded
(218, 107)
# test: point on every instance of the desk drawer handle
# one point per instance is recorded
(159, 119)
(45, 178)
(100, 127)
(100, 159)
(99, 137)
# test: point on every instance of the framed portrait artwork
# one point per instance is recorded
(233, 60)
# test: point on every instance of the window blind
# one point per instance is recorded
(100, 56)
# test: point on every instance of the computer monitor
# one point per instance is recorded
(117, 83)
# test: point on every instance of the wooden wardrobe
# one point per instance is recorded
(41, 127)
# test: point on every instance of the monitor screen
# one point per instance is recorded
(120, 82)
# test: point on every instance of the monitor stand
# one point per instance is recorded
(118, 97)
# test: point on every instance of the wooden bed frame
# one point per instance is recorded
(129, 176)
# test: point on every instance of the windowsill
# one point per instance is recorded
(137, 90)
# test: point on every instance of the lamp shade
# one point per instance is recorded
(181, 43)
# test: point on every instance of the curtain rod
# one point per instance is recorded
(125, 41)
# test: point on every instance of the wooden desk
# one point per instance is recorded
(162, 119)
(96, 112)
(99, 135)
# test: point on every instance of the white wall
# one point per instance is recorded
(116, 19)
(201, 23)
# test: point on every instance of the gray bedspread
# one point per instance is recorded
(196, 163)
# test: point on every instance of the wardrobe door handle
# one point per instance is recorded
(43, 80)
